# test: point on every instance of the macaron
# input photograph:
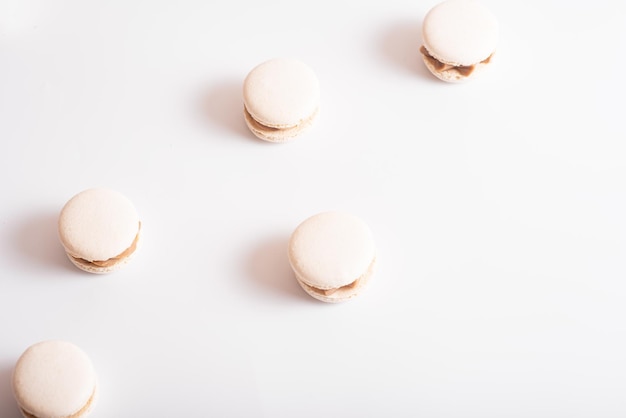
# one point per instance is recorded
(333, 256)
(281, 99)
(459, 39)
(100, 230)
(54, 379)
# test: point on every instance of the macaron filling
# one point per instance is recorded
(110, 262)
(341, 291)
(76, 414)
(328, 292)
(264, 130)
(463, 70)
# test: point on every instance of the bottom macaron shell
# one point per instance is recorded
(342, 294)
(270, 134)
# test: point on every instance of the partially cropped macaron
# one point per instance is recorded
(100, 230)
(54, 379)
(333, 256)
(281, 99)
(459, 39)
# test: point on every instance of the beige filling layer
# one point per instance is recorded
(76, 414)
(464, 70)
(328, 292)
(264, 128)
(349, 286)
(113, 260)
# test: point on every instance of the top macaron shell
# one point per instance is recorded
(54, 379)
(281, 93)
(98, 224)
(331, 249)
(460, 32)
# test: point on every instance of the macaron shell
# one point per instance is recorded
(281, 93)
(331, 249)
(54, 379)
(460, 32)
(98, 224)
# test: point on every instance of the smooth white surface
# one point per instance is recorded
(498, 208)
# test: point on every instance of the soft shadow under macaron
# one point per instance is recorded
(267, 265)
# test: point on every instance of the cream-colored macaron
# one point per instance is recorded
(460, 38)
(332, 255)
(281, 99)
(100, 230)
(54, 379)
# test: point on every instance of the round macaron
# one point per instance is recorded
(460, 38)
(99, 229)
(281, 99)
(332, 255)
(54, 379)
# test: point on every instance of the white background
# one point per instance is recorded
(498, 208)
